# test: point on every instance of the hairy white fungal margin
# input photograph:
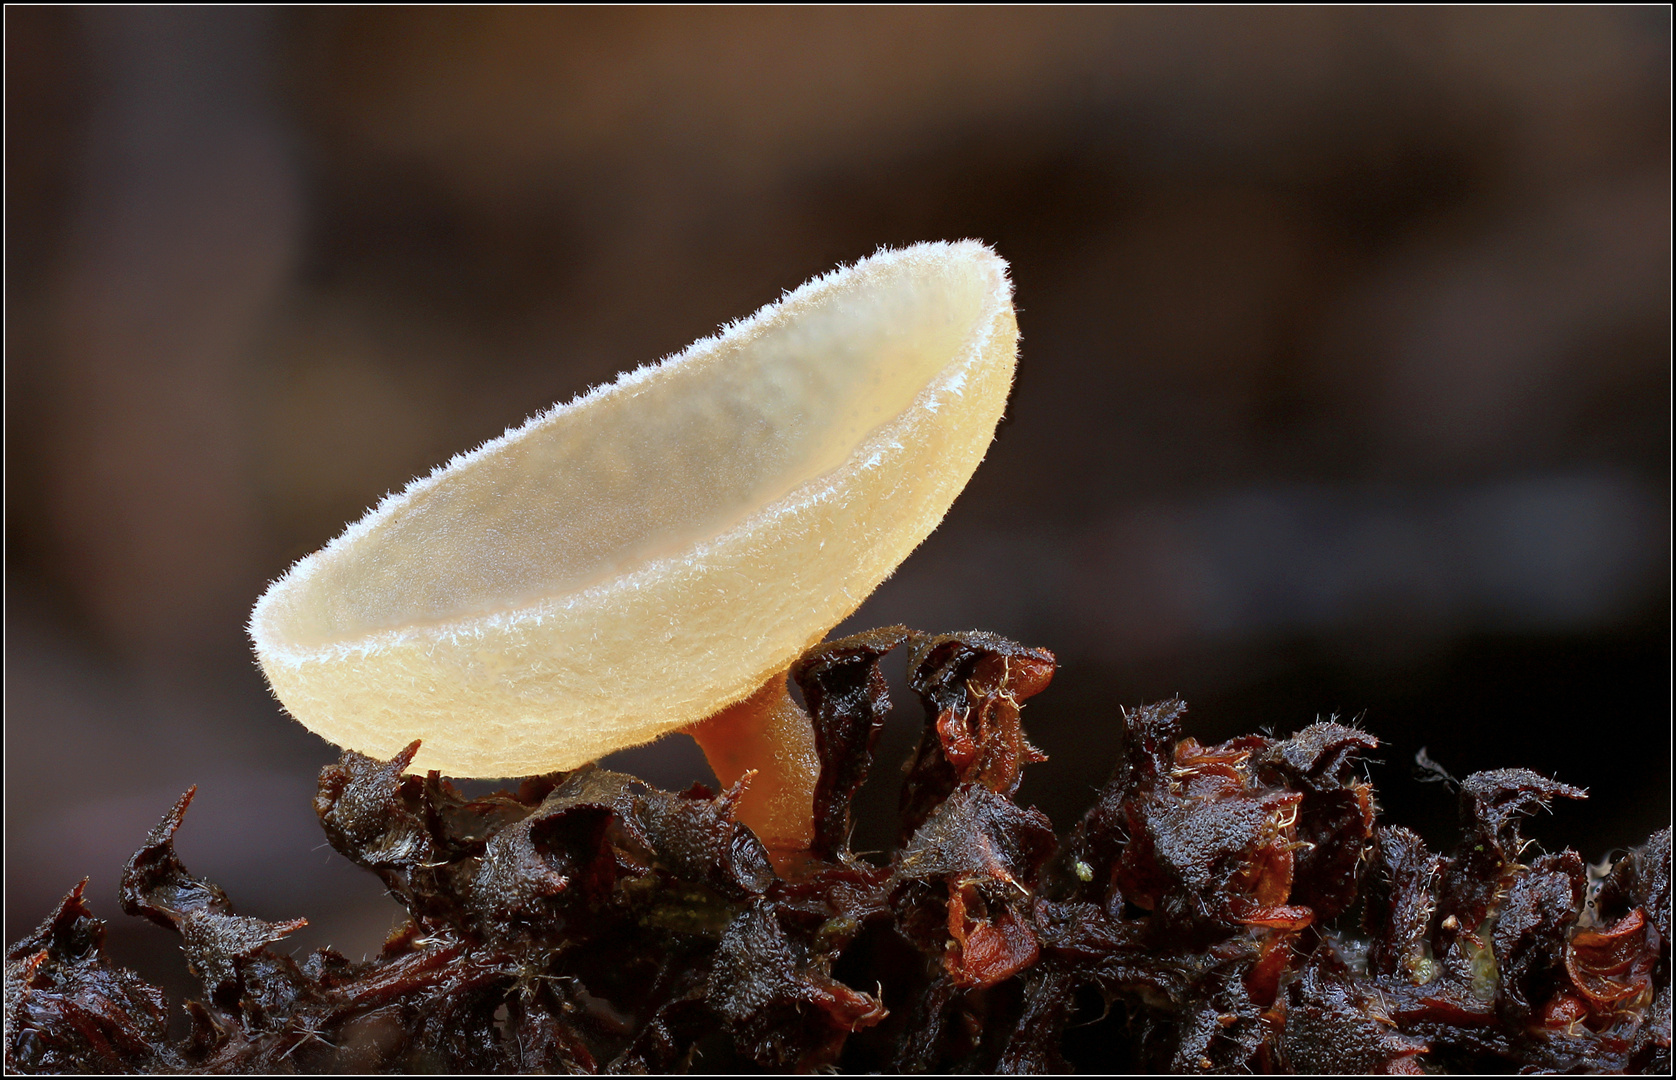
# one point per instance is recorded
(655, 551)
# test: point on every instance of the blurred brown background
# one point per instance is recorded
(1345, 383)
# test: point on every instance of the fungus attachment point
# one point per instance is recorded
(768, 733)
(636, 561)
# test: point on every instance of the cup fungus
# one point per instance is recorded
(653, 555)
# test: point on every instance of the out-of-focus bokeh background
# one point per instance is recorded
(1345, 384)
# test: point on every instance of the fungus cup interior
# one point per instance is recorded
(655, 551)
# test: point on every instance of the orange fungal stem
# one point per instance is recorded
(770, 734)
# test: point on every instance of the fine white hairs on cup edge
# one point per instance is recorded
(661, 548)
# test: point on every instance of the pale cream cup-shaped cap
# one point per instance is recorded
(624, 565)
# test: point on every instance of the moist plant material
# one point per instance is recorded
(1237, 907)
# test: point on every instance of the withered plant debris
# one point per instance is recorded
(1232, 908)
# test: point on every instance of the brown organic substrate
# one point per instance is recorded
(1220, 908)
